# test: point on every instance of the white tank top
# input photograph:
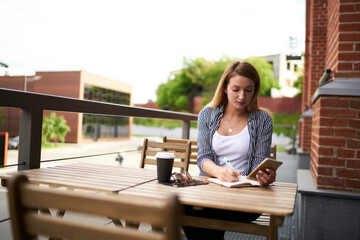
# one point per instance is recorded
(235, 148)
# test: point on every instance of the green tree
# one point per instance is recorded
(200, 77)
(267, 78)
(196, 78)
(54, 129)
(298, 84)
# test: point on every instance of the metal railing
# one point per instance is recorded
(32, 107)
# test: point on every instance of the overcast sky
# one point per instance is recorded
(141, 41)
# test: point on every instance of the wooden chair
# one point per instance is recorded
(264, 225)
(25, 200)
(273, 152)
(193, 155)
(181, 151)
(193, 152)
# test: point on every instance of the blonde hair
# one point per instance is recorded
(243, 69)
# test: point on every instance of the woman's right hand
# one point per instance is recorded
(228, 175)
(222, 173)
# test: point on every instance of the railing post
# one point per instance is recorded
(30, 138)
(185, 129)
(293, 150)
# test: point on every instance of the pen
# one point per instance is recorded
(229, 164)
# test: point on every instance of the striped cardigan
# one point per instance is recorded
(260, 129)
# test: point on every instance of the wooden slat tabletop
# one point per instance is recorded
(278, 199)
(92, 177)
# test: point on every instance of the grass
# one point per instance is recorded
(280, 148)
(166, 123)
(52, 145)
(278, 118)
(288, 119)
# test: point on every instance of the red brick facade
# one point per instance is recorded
(335, 146)
(315, 53)
(281, 105)
(335, 122)
(67, 84)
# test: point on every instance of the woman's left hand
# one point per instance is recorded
(266, 177)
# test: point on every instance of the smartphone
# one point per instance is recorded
(267, 163)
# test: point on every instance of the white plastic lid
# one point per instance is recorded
(165, 155)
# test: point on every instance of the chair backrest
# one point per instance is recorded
(193, 152)
(273, 152)
(181, 151)
(26, 200)
(193, 155)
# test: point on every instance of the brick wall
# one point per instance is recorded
(281, 105)
(335, 132)
(12, 115)
(305, 131)
(315, 55)
(335, 146)
(65, 84)
(348, 64)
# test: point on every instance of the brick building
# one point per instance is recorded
(330, 126)
(330, 130)
(74, 84)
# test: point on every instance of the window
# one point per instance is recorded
(97, 126)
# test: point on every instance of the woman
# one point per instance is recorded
(232, 125)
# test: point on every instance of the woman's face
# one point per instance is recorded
(240, 91)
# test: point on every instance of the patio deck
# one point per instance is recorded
(286, 173)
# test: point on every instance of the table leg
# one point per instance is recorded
(274, 222)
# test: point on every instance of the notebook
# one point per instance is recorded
(250, 180)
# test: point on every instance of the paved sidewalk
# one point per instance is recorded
(286, 173)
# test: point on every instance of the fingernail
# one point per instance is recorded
(260, 171)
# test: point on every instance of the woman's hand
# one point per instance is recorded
(228, 175)
(266, 177)
(223, 173)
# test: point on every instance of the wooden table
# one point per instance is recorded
(277, 200)
(93, 177)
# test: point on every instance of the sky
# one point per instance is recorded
(141, 41)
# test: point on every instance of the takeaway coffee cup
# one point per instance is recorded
(164, 163)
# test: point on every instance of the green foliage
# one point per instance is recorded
(197, 77)
(298, 84)
(166, 123)
(54, 129)
(286, 119)
(200, 77)
(267, 78)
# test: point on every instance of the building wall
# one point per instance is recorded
(12, 115)
(286, 77)
(335, 146)
(281, 105)
(335, 131)
(315, 57)
(67, 84)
